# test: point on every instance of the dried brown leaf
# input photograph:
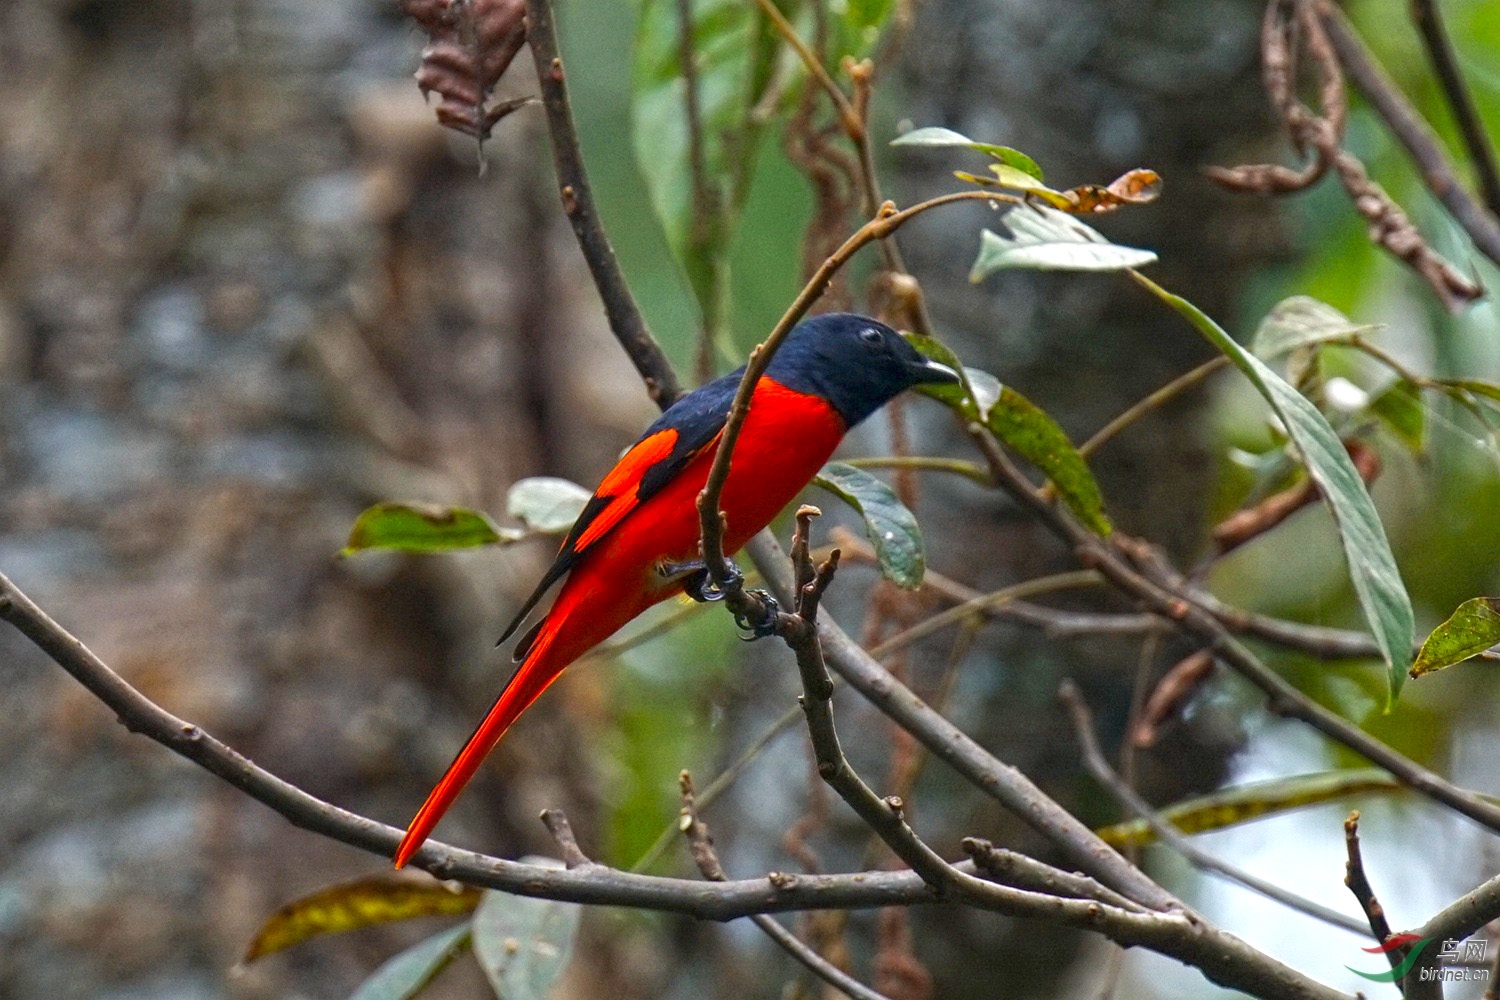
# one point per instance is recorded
(472, 44)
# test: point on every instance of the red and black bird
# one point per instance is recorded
(636, 542)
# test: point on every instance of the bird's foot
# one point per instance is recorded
(699, 586)
(766, 627)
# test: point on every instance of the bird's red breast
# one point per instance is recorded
(629, 531)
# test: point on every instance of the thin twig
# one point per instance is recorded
(1428, 16)
(1093, 760)
(925, 463)
(625, 318)
(1151, 403)
(983, 604)
(1412, 131)
(1080, 845)
(711, 518)
(557, 824)
(1359, 884)
(701, 846)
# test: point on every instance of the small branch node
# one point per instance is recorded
(562, 832)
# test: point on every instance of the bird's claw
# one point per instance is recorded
(701, 587)
(766, 627)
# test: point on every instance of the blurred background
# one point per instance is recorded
(248, 287)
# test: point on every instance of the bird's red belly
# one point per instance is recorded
(786, 439)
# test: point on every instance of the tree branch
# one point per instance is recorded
(1412, 131)
(1131, 567)
(1095, 763)
(701, 846)
(625, 318)
(1429, 19)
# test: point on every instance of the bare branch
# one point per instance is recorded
(1359, 884)
(1428, 16)
(1413, 132)
(951, 745)
(1094, 762)
(701, 846)
(625, 318)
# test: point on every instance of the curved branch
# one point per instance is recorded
(625, 318)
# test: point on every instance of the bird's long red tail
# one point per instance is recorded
(535, 675)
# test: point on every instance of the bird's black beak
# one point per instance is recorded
(930, 372)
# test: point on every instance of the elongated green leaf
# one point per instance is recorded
(546, 504)
(890, 526)
(409, 973)
(1302, 321)
(1023, 426)
(1372, 566)
(1036, 437)
(1233, 806)
(1400, 408)
(523, 944)
(1469, 631)
(352, 906)
(410, 527)
(1004, 155)
(1044, 239)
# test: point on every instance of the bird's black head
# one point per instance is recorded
(854, 362)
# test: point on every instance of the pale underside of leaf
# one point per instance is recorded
(1040, 238)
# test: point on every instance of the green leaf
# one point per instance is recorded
(962, 397)
(735, 52)
(1472, 629)
(406, 975)
(1372, 566)
(1036, 437)
(1233, 806)
(1302, 321)
(410, 527)
(1044, 239)
(352, 906)
(1023, 426)
(523, 944)
(890, 526)
(546, 504)
(1004, 155)
(1400, 408)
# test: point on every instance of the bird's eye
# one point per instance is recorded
(870, 335)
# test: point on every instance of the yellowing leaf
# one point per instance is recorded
(355, 905)
(1469, 631)
(1134, 188)
(1233, 806)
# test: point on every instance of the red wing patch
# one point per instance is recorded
(622, 487)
